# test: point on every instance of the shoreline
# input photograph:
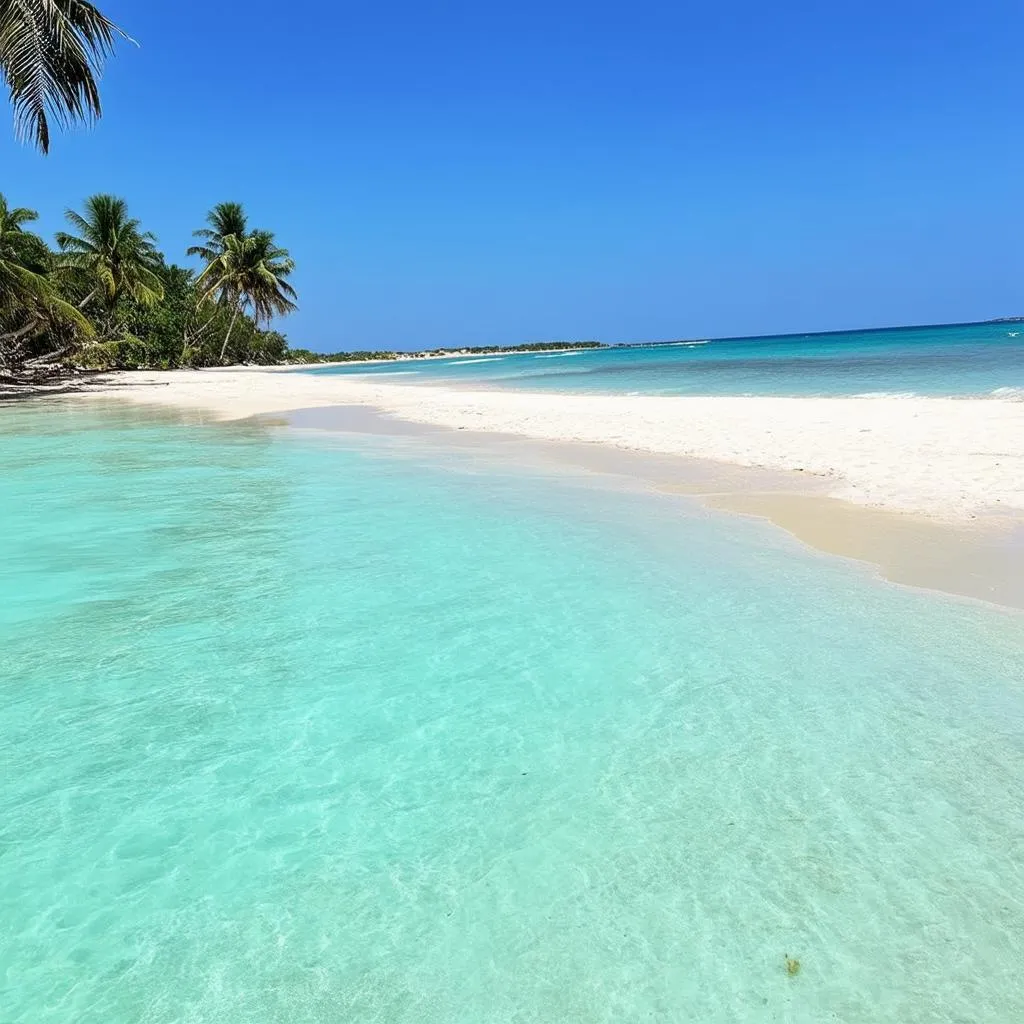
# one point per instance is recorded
(928, 491)
(943, 458)
(979, 560)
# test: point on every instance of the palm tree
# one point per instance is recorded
(111, 254)
(28, 301)
(223, 220)
(21, 282)
(251, 271)
(51, 54)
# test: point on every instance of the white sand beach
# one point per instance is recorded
(946, 458)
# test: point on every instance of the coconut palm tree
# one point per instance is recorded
(223, 220)
(111, 255)
(251, 272)
(21, 259)
(28, 298)
(51, 54)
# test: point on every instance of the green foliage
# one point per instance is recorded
(111, 256)
(187, 329)
(304, 356)
(533, 346)
(30, 303)
(246, 270)
(23, 261)
(51, 55)
(359, 356)
(268, 347)
(124, 353)
(223, 220)
(108, 300)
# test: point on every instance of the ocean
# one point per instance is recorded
(961, 360)
(339, 728)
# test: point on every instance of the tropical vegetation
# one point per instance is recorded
(250, 273)
(104, 296)
(51, 55)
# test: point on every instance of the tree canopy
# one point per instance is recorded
(111, 254)
(105, 296)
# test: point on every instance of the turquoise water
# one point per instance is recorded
(321, 730)
(961, 359)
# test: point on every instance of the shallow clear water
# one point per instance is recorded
(300, 730)
(960, 359)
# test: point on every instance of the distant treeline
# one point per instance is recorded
(303, 355)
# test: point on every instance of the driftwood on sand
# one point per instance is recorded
(44, 376)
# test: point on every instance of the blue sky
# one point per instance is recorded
(478, 173)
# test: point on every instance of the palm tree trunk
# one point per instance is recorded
(196, 336)
(20, 332)
(231, 327)
(11, 355)
(11, 344)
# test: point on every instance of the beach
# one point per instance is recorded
(547, 547)
(945, 458)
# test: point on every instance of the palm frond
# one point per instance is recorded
(113, 252)
(29, 299)
(52, 53)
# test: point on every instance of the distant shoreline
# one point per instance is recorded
(597, 346)
(448, 353)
